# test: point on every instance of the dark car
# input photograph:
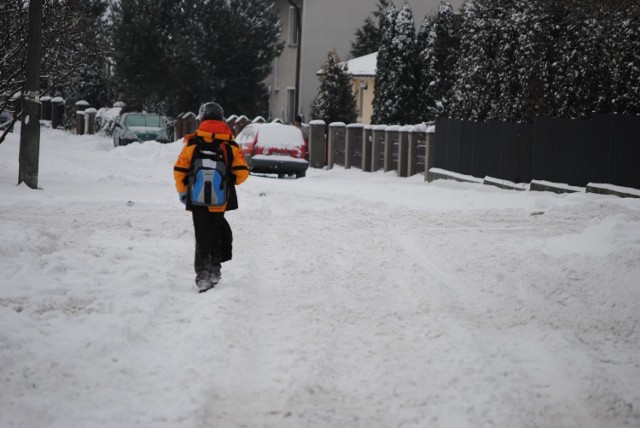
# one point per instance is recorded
(131, 127)
(273, 148)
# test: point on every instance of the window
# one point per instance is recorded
(276, 74)
(361, 88)
(290, 105)
(293, 26)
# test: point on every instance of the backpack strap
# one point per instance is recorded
(214, 135)
(195, 140)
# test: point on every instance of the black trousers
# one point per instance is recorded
(208, 231)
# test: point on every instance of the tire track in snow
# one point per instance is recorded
(498, 310)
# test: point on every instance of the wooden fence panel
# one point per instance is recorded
(442, 136)
(392, 148)
(453, 147)
(478, 149)
(467, 147)
(355, 135)
(421, 152)
(541, 149)
(560, 149)
(509, 158)
(625, 157)
(525, 147)
(491, 159)
(339, 148)
(580, 152)
(601, 148)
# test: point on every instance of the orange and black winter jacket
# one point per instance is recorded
(210, 130)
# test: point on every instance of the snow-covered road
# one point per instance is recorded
(353, 300)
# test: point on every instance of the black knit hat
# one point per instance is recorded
(210, 111)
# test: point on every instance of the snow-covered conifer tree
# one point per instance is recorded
(528, 80)
(381, 109)
(446, 45)
(471, 87)
(335, 101)
(367, 38)
(625, 60)
(396, 81)
(525, 58)
(425, 41)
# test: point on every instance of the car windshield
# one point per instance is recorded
(246, 135)
(148, 120)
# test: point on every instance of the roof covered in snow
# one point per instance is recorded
(364, 66)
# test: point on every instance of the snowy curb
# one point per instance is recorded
(438, 173)
(536, 185)
(505, 184)
(542, 186)
(610, 189)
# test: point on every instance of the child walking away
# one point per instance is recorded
(206, 172)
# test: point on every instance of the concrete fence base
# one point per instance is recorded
(317, 143)
(408, 150)
(353, 147)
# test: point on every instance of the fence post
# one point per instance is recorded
(239, 124)
(79, 122)
(430, 154)
(416, 135)
(178, 133)
(353, 145)
(391, 135)
(367, 147)
(403, 151)
(189, 123)
(377, 147)
(316, 143)
(334, 143)
(230, 120)
(81, 106)
(45, 108)
(57, 111)
(90, 120)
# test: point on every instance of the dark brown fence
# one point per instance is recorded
(602, 149)
(337, 134)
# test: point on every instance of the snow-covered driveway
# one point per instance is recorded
(353, 300)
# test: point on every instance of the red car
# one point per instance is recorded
(273, 148)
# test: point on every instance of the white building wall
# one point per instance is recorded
(283, 74)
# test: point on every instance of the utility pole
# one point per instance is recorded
(30, 129)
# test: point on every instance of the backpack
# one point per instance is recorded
(209, 173)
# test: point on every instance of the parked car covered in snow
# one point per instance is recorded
(5, 120)
(106, 118)
(131, 127)
(273, 148)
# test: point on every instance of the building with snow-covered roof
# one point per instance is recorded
(363, 76)
(310, 29)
